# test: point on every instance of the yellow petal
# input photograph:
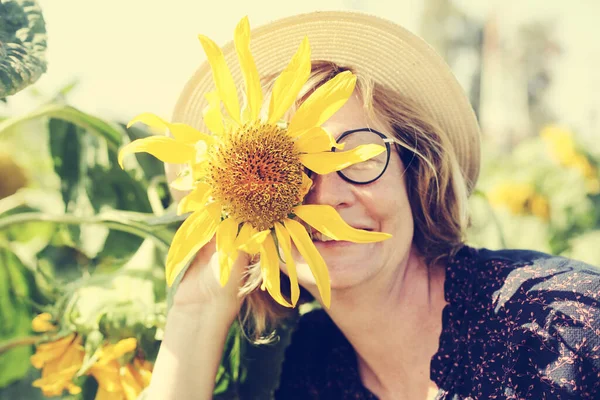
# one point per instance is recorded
(195, 200)
(131, 386)
(222, 77)
(145, 371)
(253, 244)
(269, 265)
(316, 140)
(164, 148)
(194, 233)
(41, 323)
(183, 182)
(248, 66)
(107, 376)
(326, 220)
(305, 187)
(181, 132)
(111, 352)
(326, 162)
(288, 84)
(47, 352)
(199, 170)
(54, 384)
(324, 102)
(103, 394)
(312, 257)
(283, 238)
(246, 232)
(226, 234)
(212, 113)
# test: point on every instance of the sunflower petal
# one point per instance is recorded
(326, 220)
(324, 102)
(326, 162)
(164, 148)
(183, 182)
(283, 238)
(289, 83)
(182, 132)
(253, 89)
(194, 233)
(269, 265)
(222, 77)
(316, 140)
(246, 232)
(314, 260)
(305, 187)
(226, 234)
(212, 113)
(195, 200)
(252, 244)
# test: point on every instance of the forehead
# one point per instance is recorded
(351, 116)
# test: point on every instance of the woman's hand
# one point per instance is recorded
(197, 325)
(200, 285)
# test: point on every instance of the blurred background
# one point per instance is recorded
(82, 242)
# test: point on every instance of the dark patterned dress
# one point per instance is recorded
(518, 325)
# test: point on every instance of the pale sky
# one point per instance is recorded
(133, 56)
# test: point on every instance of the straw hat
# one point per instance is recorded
(386, 52)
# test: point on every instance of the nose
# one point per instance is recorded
(330, 189)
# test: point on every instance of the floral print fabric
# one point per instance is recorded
(518, 325)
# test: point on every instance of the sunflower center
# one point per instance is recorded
(256, 174)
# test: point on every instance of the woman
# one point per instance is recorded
(418, 316)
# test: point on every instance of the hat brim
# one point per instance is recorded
(380, 49)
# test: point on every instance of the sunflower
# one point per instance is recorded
(247, 178)
(59, 360)
(118, 381)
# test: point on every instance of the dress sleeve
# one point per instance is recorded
(556, 345)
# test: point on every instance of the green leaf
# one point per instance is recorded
(14, 363)
(67, 153)
(111, 133)
(22, 45)
(15, 316)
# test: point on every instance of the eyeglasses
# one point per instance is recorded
(369, 170)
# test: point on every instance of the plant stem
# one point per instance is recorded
(135, 228)
(16, 342)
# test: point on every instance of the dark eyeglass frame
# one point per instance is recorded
(388, 148)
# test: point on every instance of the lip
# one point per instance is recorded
(362, 228)
(333, 244)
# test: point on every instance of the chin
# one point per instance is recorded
(349, 264)
(343, 274)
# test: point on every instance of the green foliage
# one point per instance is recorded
(15, 316)
(22, 45)
(93, 236)
(568, 191)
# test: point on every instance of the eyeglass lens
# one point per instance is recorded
(368, 170)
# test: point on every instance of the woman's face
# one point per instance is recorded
(378, 206)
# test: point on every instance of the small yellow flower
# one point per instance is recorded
(562, 147)
(248, 176)
(117, 381)
(520, 199)
(561, 144)
(538, 206)
(41, 323)
(60, 360)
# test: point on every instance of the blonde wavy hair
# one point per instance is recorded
(436, 188)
